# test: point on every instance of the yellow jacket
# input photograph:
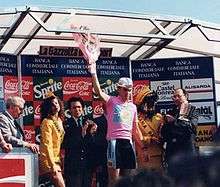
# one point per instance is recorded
(149, 153)
(52, 133)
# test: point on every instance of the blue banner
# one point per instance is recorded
(172, 68)
(194, 74)
(8, 64)
(113, 67)
(34, 65)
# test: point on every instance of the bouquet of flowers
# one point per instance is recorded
(88, 43)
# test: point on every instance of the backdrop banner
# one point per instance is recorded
(194, 74)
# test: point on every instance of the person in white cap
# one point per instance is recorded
(122, 120)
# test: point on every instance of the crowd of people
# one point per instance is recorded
(127, 136)
(130, 135)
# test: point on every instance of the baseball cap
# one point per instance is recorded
(125, 82)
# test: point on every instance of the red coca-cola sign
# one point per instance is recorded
(27, 88)
(37, 105)
(29, 132)
(139, 86)
(77, 86)
(10, 86)
(97, 108)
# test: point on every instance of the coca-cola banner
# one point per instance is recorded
(194, 74)
(78, 86)
(8, 78)
(10, 86)
(65, 77)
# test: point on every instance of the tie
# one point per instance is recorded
(79, 122)
(19, 129)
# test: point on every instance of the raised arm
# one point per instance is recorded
(92, 69)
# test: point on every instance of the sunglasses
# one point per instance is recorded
(126, 89)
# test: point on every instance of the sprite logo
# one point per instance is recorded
(42, 89)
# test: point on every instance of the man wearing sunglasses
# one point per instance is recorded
(121, 115)
(10, 129)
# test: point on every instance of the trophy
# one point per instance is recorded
(88, 43)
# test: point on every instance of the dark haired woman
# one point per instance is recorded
(149, 151)
(52, 134)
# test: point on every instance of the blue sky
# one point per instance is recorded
(204, 10)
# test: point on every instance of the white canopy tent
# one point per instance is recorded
(138, 36)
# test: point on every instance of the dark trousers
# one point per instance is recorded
(81, 178)
(102, 175)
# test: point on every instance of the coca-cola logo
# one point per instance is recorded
(26, 84)
(76, 86)
(37, 112)
(98, 109)
(29, 134)
(81, 87)
(11, 85)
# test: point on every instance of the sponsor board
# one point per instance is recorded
(33, 65)
(8, 64)
(27, 88)
(77, 86)
(28, 113)
(172, 68)
(205, 134)
(146, 70)
(88, 110)
(113, 67)
(164, 108)
(109, 86)
(165, 89)
(64, 51)
(29, 132)
(10, 86)
(1, 88)
(97, 108)
(206, 112)
(199, 88)
(37, 115)
(42, 85)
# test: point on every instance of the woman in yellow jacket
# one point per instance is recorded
(150, 150)
(52, 134)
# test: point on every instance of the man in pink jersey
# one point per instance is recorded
(122, 120)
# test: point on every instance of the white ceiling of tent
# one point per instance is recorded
(138, 36)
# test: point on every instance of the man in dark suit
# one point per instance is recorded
(75, 164)
(180, 125)
(11, 130)
(96, 146)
